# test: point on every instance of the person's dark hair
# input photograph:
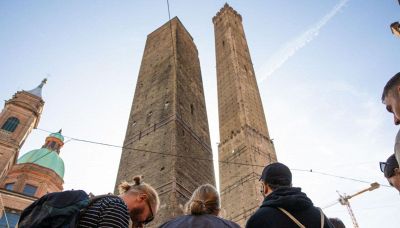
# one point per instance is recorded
(337, 223)
(394, 81)
(276, 186)
(205, 200)
(390, 166)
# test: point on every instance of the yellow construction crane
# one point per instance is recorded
(344, 200)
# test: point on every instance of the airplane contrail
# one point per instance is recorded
(290, 48)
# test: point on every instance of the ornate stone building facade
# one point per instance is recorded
(167, 138)
(244, 136)
(37, 172)
(20, 115)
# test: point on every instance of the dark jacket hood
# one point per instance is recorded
(289, 198)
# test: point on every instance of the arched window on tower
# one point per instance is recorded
(11, 124)
(9, 186)
(29, 190)
(53, 145)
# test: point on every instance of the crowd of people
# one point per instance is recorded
(283, 205)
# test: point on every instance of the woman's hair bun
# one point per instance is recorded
(137, 180)
(197, 207)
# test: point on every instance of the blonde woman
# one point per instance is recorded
(202, 211)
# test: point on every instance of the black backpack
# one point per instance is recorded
(57, 209)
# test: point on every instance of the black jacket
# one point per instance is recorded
(199, 221)
(292, 200)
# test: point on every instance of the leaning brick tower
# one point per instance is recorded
(168, 122)
(244, 136)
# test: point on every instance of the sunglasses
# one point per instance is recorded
(388, 173)
(151, 217)
(382, 165)
(148, 219)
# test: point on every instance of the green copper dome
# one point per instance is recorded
(46, 158)
(57, 135)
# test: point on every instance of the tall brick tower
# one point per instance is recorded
(243, 130)
(168, 116)
(20, 115)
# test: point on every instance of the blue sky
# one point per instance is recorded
(322, 103)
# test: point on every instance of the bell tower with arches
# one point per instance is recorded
(20, 115)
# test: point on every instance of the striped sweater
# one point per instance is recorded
(110, 212)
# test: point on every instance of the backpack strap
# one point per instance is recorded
(292, 217)
(94, 199)
(322, 217)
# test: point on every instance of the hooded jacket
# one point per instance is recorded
(292, 200)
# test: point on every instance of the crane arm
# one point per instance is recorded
(373, 186)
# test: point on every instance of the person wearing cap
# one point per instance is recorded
(390, 169)
(284, 205)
